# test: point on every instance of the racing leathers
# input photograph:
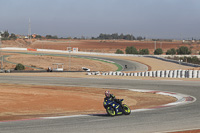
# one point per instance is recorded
(112, 98)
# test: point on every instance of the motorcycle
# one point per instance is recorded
(113, 108)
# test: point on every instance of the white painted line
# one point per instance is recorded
(61, 117)
(181, 98)
(172, 80)
(140, 110)
(182, 130)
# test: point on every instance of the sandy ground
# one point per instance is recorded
(188, 131)
(110, 46)
(30, 101)
(104, 46)
(72, 64)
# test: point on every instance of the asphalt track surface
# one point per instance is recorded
(160, 120)
(131, 65)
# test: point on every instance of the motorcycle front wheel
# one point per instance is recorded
(126, 109)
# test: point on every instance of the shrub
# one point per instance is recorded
(195, 60)
(143, 51)
(19, 67)
(183, 50)
(118, 51)
(158, 51)
(171, 52)
(131, 50)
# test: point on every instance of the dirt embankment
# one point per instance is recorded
(103, 46)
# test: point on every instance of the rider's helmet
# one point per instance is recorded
(107, 93)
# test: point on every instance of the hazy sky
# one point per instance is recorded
(149, 18)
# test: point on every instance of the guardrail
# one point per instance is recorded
(159, 73)
(173, 61)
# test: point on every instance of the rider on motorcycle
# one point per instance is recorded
(111, 97)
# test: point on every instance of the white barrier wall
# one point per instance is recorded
(198, 75)
(167, 73)
(183, 74)
(159, 73)
(190, 73)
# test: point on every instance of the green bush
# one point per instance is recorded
(183, 50)
(171, 51)
(118, 51)
(194, 59)
(19, 67)
(143, 51)
(131, 50)
(158, 51)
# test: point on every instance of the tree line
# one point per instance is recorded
(183, 50)
(192, 59)
(7, 36)
(117, 36)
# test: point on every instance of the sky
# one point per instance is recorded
(75, 18)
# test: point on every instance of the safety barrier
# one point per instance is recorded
(159, 73)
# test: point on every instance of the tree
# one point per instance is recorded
(48, 36)
(139, 38)
(118, 51)
(51, 37)
(128, 37)
(158, 51)
(115, 36)
(144, 51)
(195, 60)
(171, 51)
(38, 36)
(131, 50)
(13, 36)
(183, 50)
(121, 36)
(6, 34)
(19, 67)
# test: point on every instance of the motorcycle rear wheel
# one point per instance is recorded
(111, 111)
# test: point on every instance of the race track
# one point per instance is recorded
(131, 65)
(159, 120)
